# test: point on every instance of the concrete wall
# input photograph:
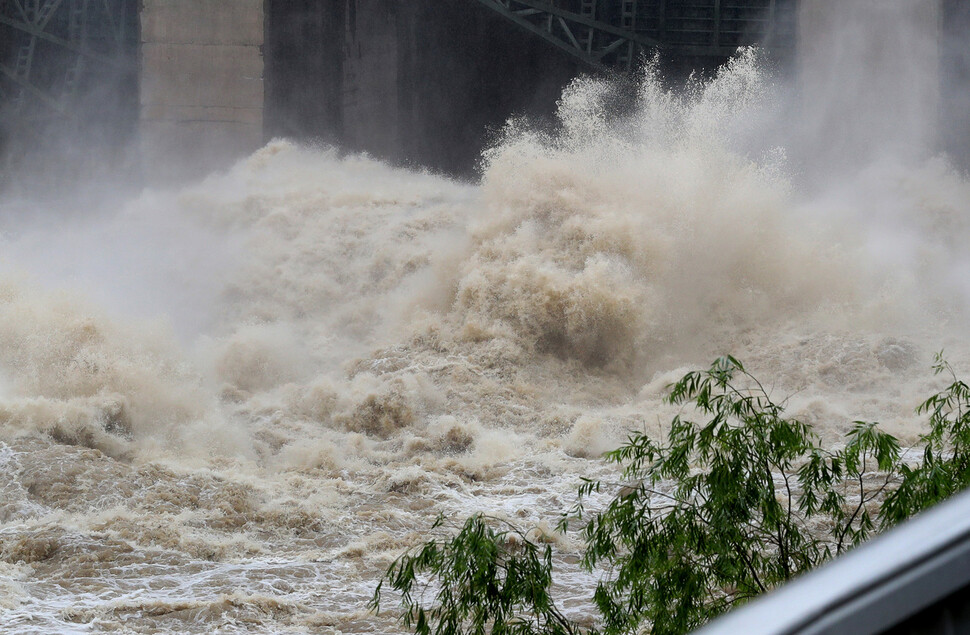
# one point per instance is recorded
(372, 91)
(201, 84)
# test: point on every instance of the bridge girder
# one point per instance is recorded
(598, 45)
(614, 34)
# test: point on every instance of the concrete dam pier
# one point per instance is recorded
(201, 79)
(195, 83)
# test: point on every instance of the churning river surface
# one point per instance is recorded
(226, 408)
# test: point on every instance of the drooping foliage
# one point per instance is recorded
(488, 581)
(728, 508)
(736, 499)
(944, 468)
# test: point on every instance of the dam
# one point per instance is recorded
(256, 336)
(421, 82)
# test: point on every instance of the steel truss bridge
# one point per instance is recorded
(66, 63)
(616, 34)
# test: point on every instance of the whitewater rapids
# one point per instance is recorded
(261, 388)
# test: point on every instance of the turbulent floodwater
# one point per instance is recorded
(261, 388)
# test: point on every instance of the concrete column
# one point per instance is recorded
(870, 76)
(201, 84)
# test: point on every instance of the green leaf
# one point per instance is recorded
(736, 499)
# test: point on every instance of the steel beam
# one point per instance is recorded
(35, 31)
(41, 95)
(589, 40)
(640, 25)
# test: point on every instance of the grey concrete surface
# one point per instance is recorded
(201, 84)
